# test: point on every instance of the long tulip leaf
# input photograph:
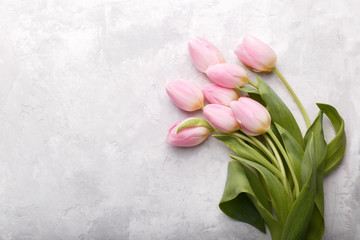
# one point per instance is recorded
(243, 150)
(235, 202)
(248, 90)
(301, 211)
(262, 204)
(316, 226)
(279, 199)
(317, 223)
(279, 111)
(336, 147)
(294, 150)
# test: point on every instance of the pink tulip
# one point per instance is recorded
(187, 137)
(185, 95)
(219, 95)
(253, 117)
(221, 117)
(227, 75)
(255, 54)
(204, 53)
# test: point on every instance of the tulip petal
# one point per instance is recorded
(203, 53)
(187, 137)
(221, 117)
(256, 55)
(253, 117)
(185, 95)
(227, 75)
(219, 95)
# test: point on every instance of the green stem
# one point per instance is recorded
(263, 161)
(296, 99)
(282, 169)
(257, 143)
(252, 83)
(275, 151)
(287, 160)
(276, 160)
(268, 147)
(265, 150)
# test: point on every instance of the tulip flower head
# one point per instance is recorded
(204, 53)
(219, 95)
(187, 137)
(221, 117)
(227, 75)
(253, 117)
(255, 54)
(185, 95)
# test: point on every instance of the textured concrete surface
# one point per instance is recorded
(84, 114)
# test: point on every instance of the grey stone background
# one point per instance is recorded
(84, 113)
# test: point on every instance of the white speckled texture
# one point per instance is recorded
(84, 114)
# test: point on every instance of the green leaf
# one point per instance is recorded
(300, 214)
(248, 90)
(336, 148)
(315, 131)
(326, 157)
(279, 111)
(257, 97)
(294, 150)
(240, 148)
(308, 162)
(261, 203)
(279, 199)
(317, 224)
(241, 186)
(235, 202)
(257, 187)
(195, 122)
(276, 132)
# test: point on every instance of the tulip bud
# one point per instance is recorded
(185, 95)
(227, 75)
(219, 95)
(204, 53)
(187, 137)
(255, 54)
(221, 117)
(253, 117)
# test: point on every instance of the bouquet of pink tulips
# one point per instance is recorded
(276, 176)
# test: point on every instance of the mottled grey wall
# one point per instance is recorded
(84, 114)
